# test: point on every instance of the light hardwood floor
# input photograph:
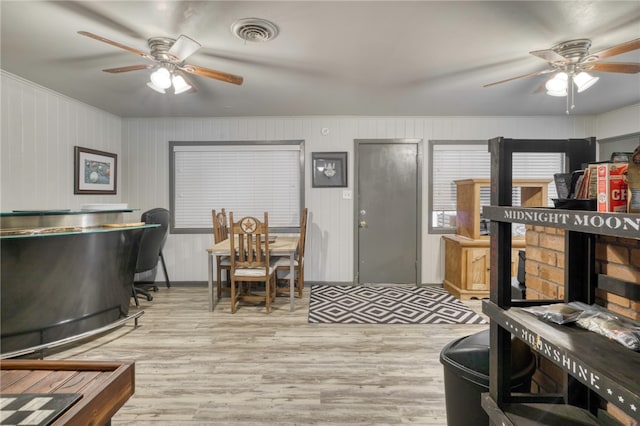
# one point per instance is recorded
(196, 367)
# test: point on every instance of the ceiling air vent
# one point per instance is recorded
(254, 29)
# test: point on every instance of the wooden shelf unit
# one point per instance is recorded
(467, 254)
(533, 193)
(595, 367)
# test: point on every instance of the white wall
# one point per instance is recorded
(39, 129)
(330, 239)
(623, 121)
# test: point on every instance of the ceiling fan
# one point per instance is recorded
(168, 56)
(570, 61)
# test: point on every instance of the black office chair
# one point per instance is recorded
(150, 251)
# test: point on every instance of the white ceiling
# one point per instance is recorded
(330, 58)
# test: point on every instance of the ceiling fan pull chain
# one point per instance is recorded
(573, 94)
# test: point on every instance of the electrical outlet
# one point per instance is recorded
(346, 194)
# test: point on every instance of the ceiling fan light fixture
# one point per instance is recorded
(584, 80)
(156, 88)
(161, 78)
(179, 84)
(557, 84)
(558, 93)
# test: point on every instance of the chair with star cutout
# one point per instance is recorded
(250, 262)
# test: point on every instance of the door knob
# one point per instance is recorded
(362, 224)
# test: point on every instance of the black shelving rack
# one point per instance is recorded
(595, 367)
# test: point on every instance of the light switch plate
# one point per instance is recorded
(346, 194)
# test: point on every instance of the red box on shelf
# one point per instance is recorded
(612, 187)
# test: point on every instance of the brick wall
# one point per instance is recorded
(545, 263)
(616, 257)
(619, 258)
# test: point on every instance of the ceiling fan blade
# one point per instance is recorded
(531, 74)
(542, 87)
(128, 68)
(625, 67)
(183, 48)
(548, 55)
(92, 12)
(618, 49)
(217, 75)
(116, 44)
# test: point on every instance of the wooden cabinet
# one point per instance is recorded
(477, 266)
(596, 369)
(467, 266)
(467, 254)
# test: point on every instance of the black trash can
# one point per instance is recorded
(466, 376)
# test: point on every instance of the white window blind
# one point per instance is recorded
(451, 161)
(454, 162)
(244, 179)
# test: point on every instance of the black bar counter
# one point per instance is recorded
(64, 273)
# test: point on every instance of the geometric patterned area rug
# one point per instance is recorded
(387, 305)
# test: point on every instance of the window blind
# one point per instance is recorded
(246, 180)
(453, 160)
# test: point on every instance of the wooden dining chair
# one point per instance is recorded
(223, 263)
(251, 262)
(283, 269)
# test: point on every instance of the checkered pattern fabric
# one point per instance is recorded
(34, 409)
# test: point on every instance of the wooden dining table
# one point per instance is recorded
(281, 245)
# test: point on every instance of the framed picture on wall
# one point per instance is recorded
(329, 169)
(95, 172)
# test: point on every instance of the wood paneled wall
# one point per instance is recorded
(40, 127)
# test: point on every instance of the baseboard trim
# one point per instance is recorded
(160, 284)
(309, 283)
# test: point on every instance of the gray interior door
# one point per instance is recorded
(388, 229)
